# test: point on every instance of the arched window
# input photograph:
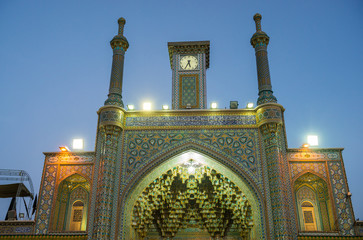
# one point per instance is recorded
(76, 216)
(309, 216)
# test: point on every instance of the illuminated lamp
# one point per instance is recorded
(249, 105)
(305, 145)
(191, 170)
(313, 140)
(146, 106)
(64, 149)
(213, 105)
(165, 107)
(130, 107)
(78, 143)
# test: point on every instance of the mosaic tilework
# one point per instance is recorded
(239, 145)
(280, 187)
(189, 91)
(92, 203)
(168, 153)
(201, 80)
(83, 170)
(46, 199)
(270, 113)
(332, 154)
(173, 121)
(16, 227)
(298, 167)
(342, 204)
(106, 181)
(111, 116)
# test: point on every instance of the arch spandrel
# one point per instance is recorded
(160, 165)
(239, 146)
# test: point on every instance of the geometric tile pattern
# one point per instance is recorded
(280, 188)
(83, 170)
(298, 167)
(189, 91)
(342, 203)
(239, 145)
(45, 199)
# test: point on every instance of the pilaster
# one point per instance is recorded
(271, 126)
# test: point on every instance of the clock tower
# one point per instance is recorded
(189, 62)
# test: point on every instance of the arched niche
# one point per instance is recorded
(313, 203)
(71, 207)
(237, 177)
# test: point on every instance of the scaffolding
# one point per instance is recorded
(18, 186)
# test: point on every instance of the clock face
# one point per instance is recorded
(188, 62)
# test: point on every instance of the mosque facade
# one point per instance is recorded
(192, 172)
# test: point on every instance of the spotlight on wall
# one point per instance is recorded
(233, 104)
(313, 140)
(146, 106)
(249, 105)
(78, 144)
(165, 107)
(64, 149)
(213, 105)
(130, 107)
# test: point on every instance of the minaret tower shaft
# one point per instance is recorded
(282, 222)
(119, 45)
(260, 41)
(109, 139)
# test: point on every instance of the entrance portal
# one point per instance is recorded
(192, 198)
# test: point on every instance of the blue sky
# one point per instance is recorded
(55, 63)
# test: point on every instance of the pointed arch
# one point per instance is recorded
(208, 156)
(71, 189)
(311, 187)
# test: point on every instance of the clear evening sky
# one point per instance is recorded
(55, 64)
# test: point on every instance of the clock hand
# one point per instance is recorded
(188, 64)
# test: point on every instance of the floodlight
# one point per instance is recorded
(250, 105)
(64, 149)
(78, 143)
(131, 107)
(146, 106)
(313, 140)
(165, 107)
(213, 105)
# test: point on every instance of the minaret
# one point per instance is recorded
(107, 166)
(260, 41)
(119, 45)
(281, 221)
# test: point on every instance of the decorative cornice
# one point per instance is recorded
(189, 47)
